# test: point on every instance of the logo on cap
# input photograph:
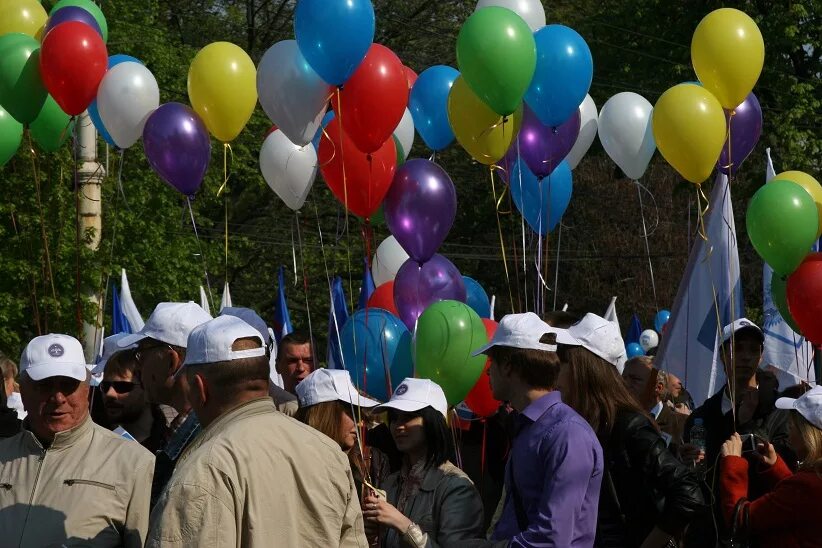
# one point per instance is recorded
(743, 323)
(56, 350)
(401, 389)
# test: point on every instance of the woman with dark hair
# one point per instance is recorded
(429, 502)
(648, 497)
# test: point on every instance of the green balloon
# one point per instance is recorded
(497, 55)
(11, 135)
(22, 92)
(778, 293)
(448, 332)
(90, 7)
(782, 223)
(52, 127)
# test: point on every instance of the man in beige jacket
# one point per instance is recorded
(65, 481)
(253, 476)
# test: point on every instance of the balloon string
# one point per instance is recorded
(78, 303)
(105, 276)
(294, 256)
(522, 226)
(647, 244)
(50, 276)
(501, 239)
(305, 274)
(453, 424)
(224, 191)
(729, 167)
(556, 270)
(202, 254)
(345, 203)
(488, 130)
(700, 212)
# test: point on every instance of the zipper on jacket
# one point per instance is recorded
(6, 486)
(71, 482)
(40, 460)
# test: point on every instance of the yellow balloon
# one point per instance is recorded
(480, 130)
(222, 87)
(26, 16)
(728, 52)
(689, 130)
(808, 183)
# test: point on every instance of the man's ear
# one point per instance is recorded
(201, 387)
(176, 362)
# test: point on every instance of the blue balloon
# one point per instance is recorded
(93, 112)
(661, 319)
(334, 35)
(476, 297)
(563, 74)
(428, 104)
(319, 135)
(541, 202)
(634, 350)
(376, 344)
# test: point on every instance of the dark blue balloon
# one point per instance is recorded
(661, 319)
(541, 202)
(476, 297)
(319, 135)
(633, 350)
(93, 112)
(72, 13)
(428, 104)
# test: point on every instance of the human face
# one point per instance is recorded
(636, 376)
(408, 432)
(674, 386)
(747, 354)
(294, 363)
(795, 441)
(54, 404)
(156, 360)
(348, 429)
(498, 381)
(122, 407)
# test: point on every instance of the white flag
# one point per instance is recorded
(204, 301)
(226, 297)
(610, 313)
(127, 305)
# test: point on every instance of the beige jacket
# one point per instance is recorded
(285, 401)
(257, 478)
(91, 487)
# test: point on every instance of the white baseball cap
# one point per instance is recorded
(324, 385)
(740, 325)
(415, 394)
(809, 405)
(170, 323)
(211, 341)
(597, 335)
(54, 356)
(110, 349)
(519, 331)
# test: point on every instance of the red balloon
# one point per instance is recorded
(73, 61)
(361, 181)
(373, 100)
(410, 75)
(804, 293)
(481, 400)
(383, 297)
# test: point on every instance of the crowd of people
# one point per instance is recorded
(201, 431)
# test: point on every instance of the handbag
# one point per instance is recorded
(741, 525)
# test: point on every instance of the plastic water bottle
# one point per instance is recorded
(698, 440)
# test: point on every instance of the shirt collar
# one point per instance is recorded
(66, 438)
(657, 409)
(538, 407)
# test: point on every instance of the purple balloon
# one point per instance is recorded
(72, 13)
(177, 146)
(420, 207)
(745, 129)
(417, 287)
(544, 147)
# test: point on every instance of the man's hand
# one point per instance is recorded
(691, 454)
(732, 447)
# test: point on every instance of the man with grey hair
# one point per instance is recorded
(65, 480)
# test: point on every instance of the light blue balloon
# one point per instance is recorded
(319, 135)
(376, 344)
(428, 104)
(476, 297)
(334, 35)
(541, 202)
(633, 350)
(661, 319)
(94, 113)
(563, 75)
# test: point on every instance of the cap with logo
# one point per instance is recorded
(110, 349)
(416, 394)
(325, 385)
(740, 325)
(809, 405)
(170, 323)
(597, 335)
(519, 331)
(212, 341)
(54, 356)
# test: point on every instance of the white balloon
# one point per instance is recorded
(387, 261)
(587, 132)
(291, 93)
(127, 95)
(626, 134)
(530, 10)
(648, 339)
(288, 169)
(405, 133)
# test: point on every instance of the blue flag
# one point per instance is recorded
(119, 322)
(367, 287)
(634, 331)
(337, 316)
(282, 319)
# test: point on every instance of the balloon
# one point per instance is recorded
(72, 13)
(429, 105)
(811, 185)
(447, 335)
(542, 147)
(805, 297)
(90, 7)
(404, 133)
(727, 52)
(400, 152)
(496, 55)
(531, 12)
(625, 132)
(564, 70)
(476, 297)
(387, 260)
(94, 111)
(420, 207)
(222, 88)
(73, 61)
(383, 297)
(127, 95)
(288, 168)
(648, 340)
(52, 126)
(21, 89)
(634, 350)
(483, 133)
(541, 202)
(587, 132)
(481, 399)
(782, 223)
(376, 348)
(661, 319)
(779, 287)
(372, 103)
(359, 183)
(292, 95)
(417, 287)
(24, 16)
(177, 146)
(334, 36)
(319, 135)
(11, 135)
(745, 127)
(410, 75)
(689, 129)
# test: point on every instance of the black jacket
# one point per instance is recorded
(9, 423)
(644, 485)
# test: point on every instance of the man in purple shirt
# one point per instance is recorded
(555, 468)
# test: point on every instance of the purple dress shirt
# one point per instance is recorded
(556, 469)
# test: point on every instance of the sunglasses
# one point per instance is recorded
(140, 354)
(121, 387)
